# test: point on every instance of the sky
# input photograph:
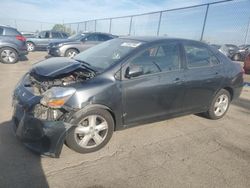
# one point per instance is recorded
(80, 10)
(226, 22)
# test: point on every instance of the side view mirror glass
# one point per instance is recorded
(133, 71)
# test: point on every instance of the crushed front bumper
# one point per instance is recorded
(42, 136)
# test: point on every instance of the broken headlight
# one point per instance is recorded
(56, 97)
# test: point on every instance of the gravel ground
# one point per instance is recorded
(188, 151)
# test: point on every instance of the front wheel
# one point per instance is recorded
(71, 53)
(219, 105)
(93, 131)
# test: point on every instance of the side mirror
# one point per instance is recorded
(133, 71)
(39, 37)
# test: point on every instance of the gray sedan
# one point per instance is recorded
(77, 43)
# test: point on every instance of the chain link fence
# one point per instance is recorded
(216, 22)
(27, 25)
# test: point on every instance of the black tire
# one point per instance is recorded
(71, 53)
(211, 112)
(30, 46)
(13, 58)
(71, 140)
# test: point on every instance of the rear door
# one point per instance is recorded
(44, 39)
(158, 91)
(203, 76)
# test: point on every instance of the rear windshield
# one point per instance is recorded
(12, 32)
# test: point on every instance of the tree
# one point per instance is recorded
(61, 27)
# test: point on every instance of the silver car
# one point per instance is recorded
(77, 43)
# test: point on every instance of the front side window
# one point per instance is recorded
(92, 38)
(1, 31)
(44, 34)
(164, 57)
(199, 56)
(56, 35)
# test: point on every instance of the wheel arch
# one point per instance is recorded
(230, 90)
(93, 107)
(71, 48)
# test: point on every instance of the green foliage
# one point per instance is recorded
(61, 27)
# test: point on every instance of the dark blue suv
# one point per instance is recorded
(12, 45)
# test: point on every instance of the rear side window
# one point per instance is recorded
(104, 37)
(56, 35)
(11, 32)
(64, 35)
(1, 31)
(199, 56)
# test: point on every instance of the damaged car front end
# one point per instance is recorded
(40, 104)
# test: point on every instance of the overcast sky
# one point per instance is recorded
(79, 10)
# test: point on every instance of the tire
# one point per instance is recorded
(219, 105)
(83, 138)
(71, 53)
(30, 46)
(8, 55)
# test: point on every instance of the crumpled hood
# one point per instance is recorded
(54, 67)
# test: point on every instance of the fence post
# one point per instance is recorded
(248, 25)
(110, 24)
(95, 25)
(85, 26)
(204, 23)
(130, 25)
(159, 24)
(77, 28)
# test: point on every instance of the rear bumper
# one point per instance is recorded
(41, 136)
(23, 52)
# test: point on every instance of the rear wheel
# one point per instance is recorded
(219, 105)
(93, 131)
(8, 55)
(30, 46)
(71, 53)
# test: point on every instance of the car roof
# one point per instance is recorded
(8, 27)
(156, 38)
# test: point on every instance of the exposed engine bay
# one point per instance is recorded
(40, 84)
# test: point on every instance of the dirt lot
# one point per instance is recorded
(188, 151)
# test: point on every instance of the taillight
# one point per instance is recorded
(21, 38)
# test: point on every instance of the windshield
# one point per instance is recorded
(105, 54)
(76, 36)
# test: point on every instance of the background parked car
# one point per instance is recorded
(12, 44)
(43, 39)
(77, 43)
(247, 63)
(28, 34)
(230, 50)
(242, 52)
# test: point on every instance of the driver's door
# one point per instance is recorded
(158, 90)
(89, 41)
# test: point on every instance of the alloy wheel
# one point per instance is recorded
(91, 131)
(221, 105)
(8, 56)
